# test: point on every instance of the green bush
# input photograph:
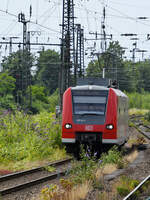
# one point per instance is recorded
(114, 156)
(7, 103)
(83, 170)
(53, 101)
(26, 137)
(41, 102)
(147, 116)
(123, 191)
(139, 100)
(126, 186)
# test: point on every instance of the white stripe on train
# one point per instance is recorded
(104, 141)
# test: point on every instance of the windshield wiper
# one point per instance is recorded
(90, 113)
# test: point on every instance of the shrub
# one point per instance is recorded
(113, 157)
(53, 101)
(26, 137)
(139, 100)
(126, 186)
(83, 170)
(7, 103)
(147, 116)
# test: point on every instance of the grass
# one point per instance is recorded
(135, 111)
(88, 174)
(65, 191)
(84, 176)
(126, 186)
(139, 100)
(26, 139)
(113, 157)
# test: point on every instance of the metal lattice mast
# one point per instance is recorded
(103, 33)
(26, 65)
(79, 66)
(68, 47)
(81, 72)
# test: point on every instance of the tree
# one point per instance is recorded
(128, 77)
(95, 68)
(144, 75)
(110, 60)
(115, 67)
(7, 84)
(19, 65)
(48, 66)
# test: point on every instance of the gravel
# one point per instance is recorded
(138, 170)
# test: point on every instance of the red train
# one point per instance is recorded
(95, 115)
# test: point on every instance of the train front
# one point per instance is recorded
(83, 116)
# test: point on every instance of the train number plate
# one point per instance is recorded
(89, 128)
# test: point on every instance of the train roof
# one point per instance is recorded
(120, 93)
(97, 87)
(90, 87)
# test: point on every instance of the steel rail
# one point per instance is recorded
(146, 134)
(22, 173)
(138, 187)
(31, 183)
(141, 131)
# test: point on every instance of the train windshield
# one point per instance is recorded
(89, 105)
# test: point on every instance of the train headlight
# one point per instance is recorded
(68, 126)
(109, 126)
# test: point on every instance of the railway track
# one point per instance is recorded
(140, 193)
(9, 183)
(142, 128)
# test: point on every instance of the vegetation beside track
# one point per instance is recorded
(84, 176)
(26, 139)
(139, 100)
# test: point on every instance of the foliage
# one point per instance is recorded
(139, 100)
(95, 68)
(147, 116)
(24, 137)
(19, 64)
(7, 103)
(115, 67)
(49, 192)
(7, 84)
(144, 74)
(41, 102)
(81, 174)
(39, 99)
(38, 107)
(135, 111)
(48, 65)
(126, 186)
(53, 101)
(83, 170)
(107, 60)
(128, 77)
(50, 168)
(113, 157)
(65, 191)
(39, 93)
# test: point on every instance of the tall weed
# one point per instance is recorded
(26, 137)
(139, 100)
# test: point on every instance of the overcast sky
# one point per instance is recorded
(121, 17)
